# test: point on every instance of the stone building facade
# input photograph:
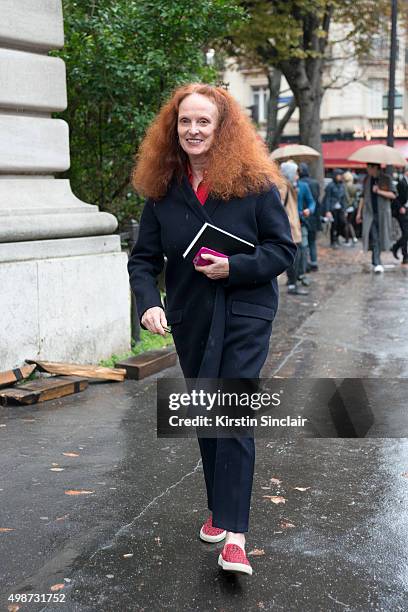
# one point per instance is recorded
(64, 293)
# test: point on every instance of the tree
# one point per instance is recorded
(122, 59)
(293, 36)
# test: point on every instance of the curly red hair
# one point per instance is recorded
(238, 161)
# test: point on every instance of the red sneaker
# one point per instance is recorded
(208, 533)
(233, 559)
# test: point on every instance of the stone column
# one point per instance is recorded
(63, 282)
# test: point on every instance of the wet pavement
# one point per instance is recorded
(117, 525)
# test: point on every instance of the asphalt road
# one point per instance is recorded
(127, 539)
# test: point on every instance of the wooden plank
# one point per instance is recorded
(42, 390)
(149, 363)
(73, 369)
(12, 376)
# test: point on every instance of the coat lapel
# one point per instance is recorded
(204, 212)
(191, 199)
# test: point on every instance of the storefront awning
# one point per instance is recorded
(335, 153)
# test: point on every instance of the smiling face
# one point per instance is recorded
(197, 125)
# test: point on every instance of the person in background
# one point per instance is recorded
(352, 194)
(306, 207)
(313, 222)
(374, 212)
(334, 206)
(400, 212)
(289, 199)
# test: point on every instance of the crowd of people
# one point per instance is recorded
(353, 205)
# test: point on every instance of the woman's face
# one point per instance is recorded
(197, 125)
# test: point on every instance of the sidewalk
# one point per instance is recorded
(339, 542)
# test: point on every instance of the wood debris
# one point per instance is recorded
(72, 369)
(42, 389)
(12, 376)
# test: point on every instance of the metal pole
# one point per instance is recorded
(393, 63)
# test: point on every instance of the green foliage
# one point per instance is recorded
(279, 31)
(148, 342)
(122, 59)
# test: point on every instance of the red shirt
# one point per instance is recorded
(202, 190)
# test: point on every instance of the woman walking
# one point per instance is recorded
(374, 211)
(202, 161)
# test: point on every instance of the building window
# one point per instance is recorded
(380, 47)
(375, 98)
(259, 104)
(377, 124)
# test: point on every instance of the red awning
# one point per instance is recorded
(335, 153)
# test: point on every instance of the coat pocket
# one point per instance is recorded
(174, 316)
(247, 309)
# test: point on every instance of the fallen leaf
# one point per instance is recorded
(128, 555)
(56, 469)
(4, 529)
(62, 518)
(71, 454)
(301, 488)
(82, 492)
(256, 552)
(275, 481)
(276, 499)
(13, 608)
(286, 525)
(57, 587)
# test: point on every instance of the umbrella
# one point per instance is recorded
(295, 151)
(379, 154)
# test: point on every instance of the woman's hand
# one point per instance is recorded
(218, 268)
(358, 217)
(155, 320)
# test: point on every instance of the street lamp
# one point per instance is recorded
(393, 64)
(398, 101)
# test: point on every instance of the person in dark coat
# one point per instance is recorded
(313, 222)
(334, 206)
(374, 212)
(202, 161)
(400, 212)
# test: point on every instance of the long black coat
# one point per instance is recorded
(212, 317)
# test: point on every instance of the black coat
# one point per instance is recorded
(313, 223)
(401, 200)
(197, 308)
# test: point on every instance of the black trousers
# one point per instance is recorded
(403, 240)
(228, 463)
(337, 226)
(293, 272)
(375, 242)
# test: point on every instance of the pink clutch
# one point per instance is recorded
(199, 261)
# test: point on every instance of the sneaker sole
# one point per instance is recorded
(240, 568)
(207, 538)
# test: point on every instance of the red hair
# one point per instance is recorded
(238, 161)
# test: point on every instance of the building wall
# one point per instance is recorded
(356, 99)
